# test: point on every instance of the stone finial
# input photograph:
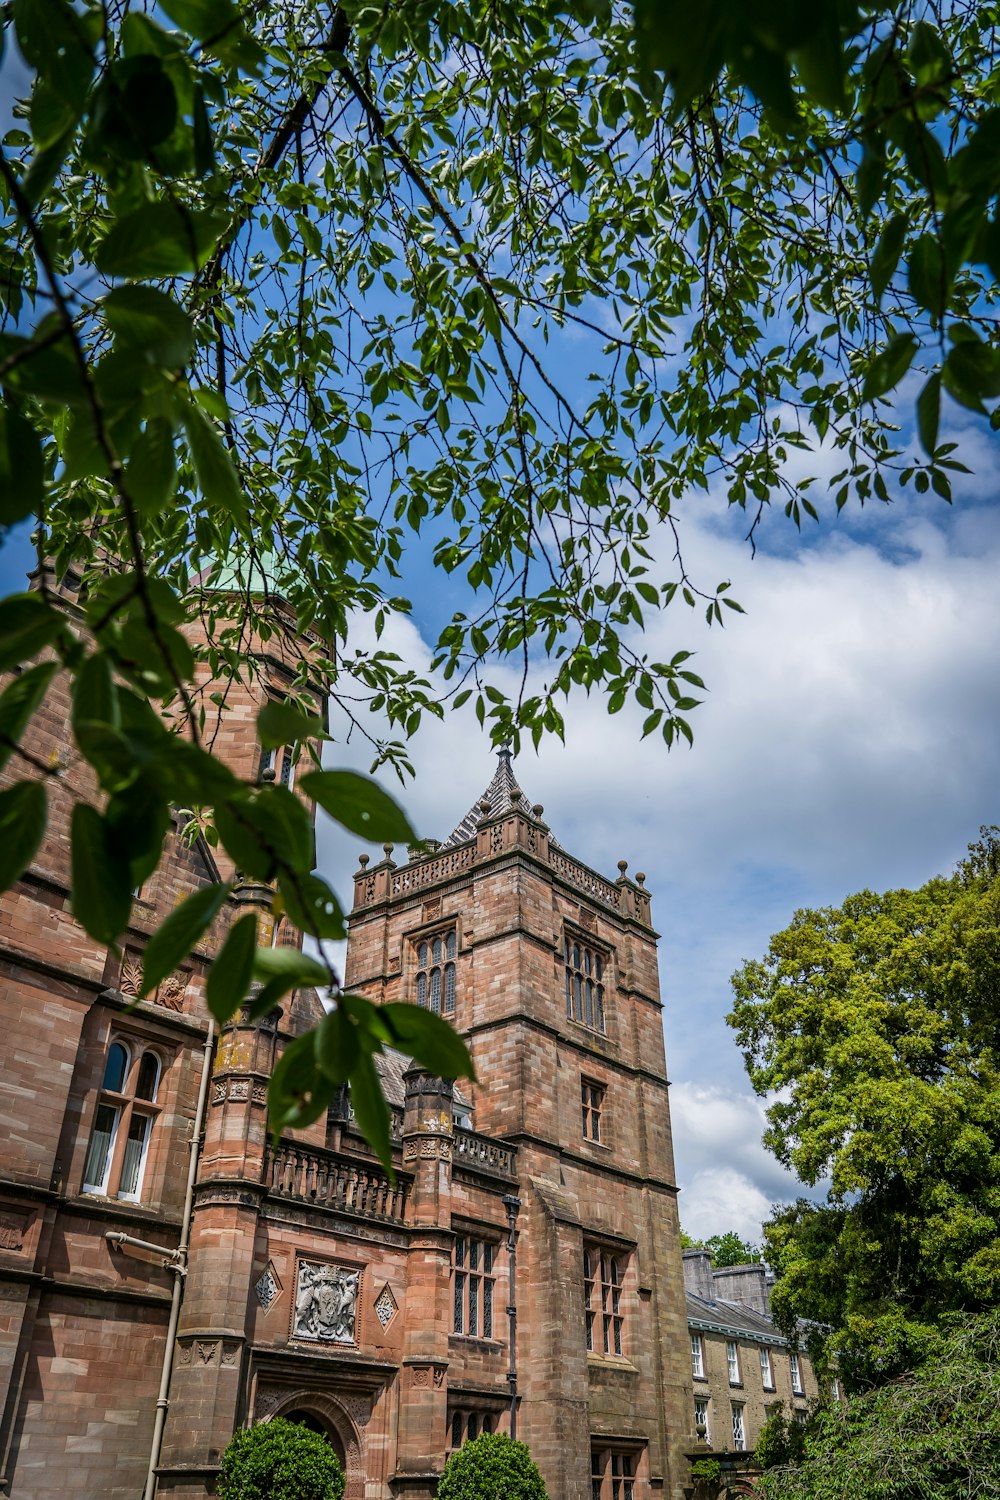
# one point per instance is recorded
(504, 755)
(363, 860)
(640, 879)
(268, 774)
(484, 809)
(622, 866)
(387, 850)
(515, 794)
(537, 810)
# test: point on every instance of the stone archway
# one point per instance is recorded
(326, 1414)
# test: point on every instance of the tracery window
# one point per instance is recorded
(473, 1287)
(701, 1421)
(739, 1429)
(278, 765)
(602, 1295)
(435, 984)
(584, 984)
(123, 1123)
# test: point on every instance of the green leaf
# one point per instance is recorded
(52, 40)
(264, 829)
(204, 19)
(337, 1046)
(294, 969)
(929, 413)
(27, 626)
(159, 239)
(370, 1109)
(102, 885)
(22, 472)
(299, 1093)
(870, 175)
(44, 369)
(23, 814)
(179, 934)
(889, 367)
(145, 319)
(927, 275)
(95, 696)
(312, 906)
(887, 252)
(428, 1039)
(19, 701)
(151, 472)
(231, 973)
(283, 723)
(359, 805)
(138, 816)
(213, 464)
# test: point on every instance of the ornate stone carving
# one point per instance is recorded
(239, 1088)
(206, 1352)
(268, 1287)
(171, 992)
(219, 1093)
(326, 1299)
(260, 1093)
(410, 1150)
(184, 1352)
(386, 1306)
(230, 1354)
(421, 1375)
(12, 1230)
(438, 1376)
(130, 982)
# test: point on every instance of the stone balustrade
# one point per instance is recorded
(329, 1180)
(485, 1155)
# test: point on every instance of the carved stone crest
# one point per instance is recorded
(326, 1300)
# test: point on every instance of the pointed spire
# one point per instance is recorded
(502, 793)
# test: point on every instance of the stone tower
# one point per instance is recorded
(549, 972)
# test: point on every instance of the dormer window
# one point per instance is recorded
(584, 984)
(435, 982)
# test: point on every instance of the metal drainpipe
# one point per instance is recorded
(179, 1268)
(512, 1204)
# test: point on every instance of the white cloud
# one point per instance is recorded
(848, 740)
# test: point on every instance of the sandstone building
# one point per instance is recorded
(524, 1265)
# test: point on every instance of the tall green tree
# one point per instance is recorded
(932, 1433)
(353, 283)
(872, 1028)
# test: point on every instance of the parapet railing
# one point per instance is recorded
(308, 1174)
(485, 1155)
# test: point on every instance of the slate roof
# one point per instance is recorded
(390, 1066)
(733, 1318)
(502, 792)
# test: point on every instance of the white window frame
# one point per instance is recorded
(697, 1356)
(702, 1411)
(733, 1361)
(766, 1369)
(739, 1427)
(795, 1370)
(128, 1106)
(100, 1189)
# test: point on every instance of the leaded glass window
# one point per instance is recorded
(473, 1287)
(435, 981)
(584, 984)
(602, 1292)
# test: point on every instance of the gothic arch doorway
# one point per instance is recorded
(325, 1414)
(315, 1424)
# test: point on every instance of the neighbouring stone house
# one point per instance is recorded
(379, 1312)
(741, 1366)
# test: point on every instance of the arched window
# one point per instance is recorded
(123, 1123)
(435, 983)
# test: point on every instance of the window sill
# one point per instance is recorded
(611, 1362)
(736, 1385)
(702, 1379)
(476, 1341)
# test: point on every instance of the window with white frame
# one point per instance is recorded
(602, 1295)
(584, 985)
(697, 1357)
(766, 1372)
(739, 1429)
(473, 1287)
(435, 972)
(796, 1373)
(701, 1422)
(123, 1122)
(835, 1388)
(733, 1361)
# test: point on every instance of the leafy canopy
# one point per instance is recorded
(448, 282)
(727, 1249)
(491, 1467)
(280, 1460)
(872, 1027)
(934, 1432)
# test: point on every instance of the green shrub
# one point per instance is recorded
(706, 1471)
(280, 1460)
(491, 1467)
